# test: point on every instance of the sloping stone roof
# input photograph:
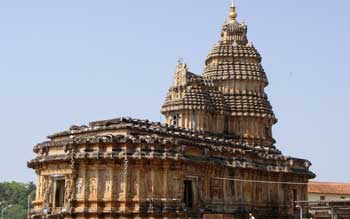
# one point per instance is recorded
(329, 188)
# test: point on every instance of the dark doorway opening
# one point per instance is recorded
(59, 193)
(188, 193)
(294, 199)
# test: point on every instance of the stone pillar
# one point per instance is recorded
(99, 184)
(124, 181)
(138, 181)
(39, 185)
(152, 181)
(181, 120)
(85, 190)
(165, 181)
(186, 119)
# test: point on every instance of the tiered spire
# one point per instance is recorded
(229, 97)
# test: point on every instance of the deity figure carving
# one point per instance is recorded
(46, 190)
(68, 193)
(80, 186)
(108, 185)
(92, 186)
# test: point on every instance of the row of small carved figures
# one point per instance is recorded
(151, 206)
(242, 162)
(157, 129)
(193, 140)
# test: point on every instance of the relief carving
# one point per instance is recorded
(46, 190)
(217, 187)
(68, 192)
(92, 186)
(39, 188)
(131, 183)
(117, 185)
(80, 186)
(158, 179)
(108, 186)
(149, 183)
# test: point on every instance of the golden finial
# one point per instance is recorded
(233, 13)
(225, 21)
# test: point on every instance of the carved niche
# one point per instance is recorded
(80, 187)
(46, 190)
(118, 183)
(217, 188)
(68, 191)
(92, 186)
(108, 186)
(105, 184)
(132, 184)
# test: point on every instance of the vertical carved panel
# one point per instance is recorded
(68, 191)
(247, 188)
(132, 185)
(38, 188)
(174, 184)
(107, 187)
(113, 184)
(239, 186)
(105, 184)
(152, 183)
(138, 182)
(229, 189)
(47, 191)
(165, 182)
(158, 188)
(217, 188)
(118, 183)
(101, 179)
(80, 187)
(258, 190)
(206, 187)
(230, 185)
(92, 187)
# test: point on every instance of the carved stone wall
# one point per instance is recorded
(154, 187)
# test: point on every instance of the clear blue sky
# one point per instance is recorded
(70, 62)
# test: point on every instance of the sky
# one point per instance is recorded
(71, 62)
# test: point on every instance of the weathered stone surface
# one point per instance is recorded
(215, 157)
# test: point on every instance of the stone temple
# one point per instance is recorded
(214, 158)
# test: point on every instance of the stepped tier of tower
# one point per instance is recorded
(229, 96)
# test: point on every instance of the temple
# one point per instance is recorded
(214, 158)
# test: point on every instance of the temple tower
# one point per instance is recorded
(229, 97)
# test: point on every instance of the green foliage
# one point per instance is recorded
(16, 194)
(16, 212)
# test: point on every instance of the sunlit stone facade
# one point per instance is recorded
(214, 158)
